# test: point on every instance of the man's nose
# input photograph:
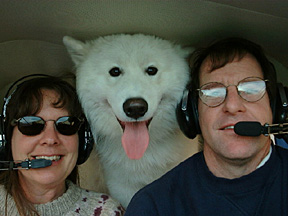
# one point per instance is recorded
(234, 102)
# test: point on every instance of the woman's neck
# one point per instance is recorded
(40, 194)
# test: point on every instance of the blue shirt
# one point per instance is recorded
(281, 142)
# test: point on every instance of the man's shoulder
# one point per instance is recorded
(283, 152)
(184, 167)
(166, 190)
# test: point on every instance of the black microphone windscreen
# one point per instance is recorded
(248, 128)
(40, 163)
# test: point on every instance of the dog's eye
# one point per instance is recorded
(115, 72)
(151, 70)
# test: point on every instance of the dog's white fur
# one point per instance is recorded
(102, 97)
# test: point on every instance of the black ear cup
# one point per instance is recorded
(187, 115)
(280, 108)
(86, 143)
(280, 105)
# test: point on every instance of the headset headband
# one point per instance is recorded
(7, 97)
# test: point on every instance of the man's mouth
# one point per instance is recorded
(228, 127)
(52, 158)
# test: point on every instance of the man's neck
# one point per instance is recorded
(233, 168)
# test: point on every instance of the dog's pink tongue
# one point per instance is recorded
(135, 139)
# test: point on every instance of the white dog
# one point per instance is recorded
(129, 87)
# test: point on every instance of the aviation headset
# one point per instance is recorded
(85, 137)
(187, 110)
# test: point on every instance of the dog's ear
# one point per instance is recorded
(185, 51)
(189, 50)
(75, 48)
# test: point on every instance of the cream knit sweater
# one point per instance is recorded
(75, 201)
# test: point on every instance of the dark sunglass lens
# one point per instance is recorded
(31, 125)
(68, 125)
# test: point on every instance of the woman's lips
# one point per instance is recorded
(52, 158)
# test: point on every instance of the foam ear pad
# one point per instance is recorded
(280, 105)
(187, 115)
(280, 108)
(86, 143)
(2, 138)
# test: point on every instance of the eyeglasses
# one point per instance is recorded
(250, 89)
(34, 125)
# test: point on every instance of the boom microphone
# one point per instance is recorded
(252, 128)
(27, 164)
(248, 128)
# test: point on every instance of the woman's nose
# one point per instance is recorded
(50, 134)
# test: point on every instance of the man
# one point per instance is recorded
(233, 175)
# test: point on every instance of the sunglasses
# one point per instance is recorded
(251, 89)
(34, 125)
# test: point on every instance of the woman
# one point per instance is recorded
(43, 118)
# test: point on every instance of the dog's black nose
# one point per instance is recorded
(135, 107)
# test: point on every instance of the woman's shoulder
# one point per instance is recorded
(2, 195)
(11, 206)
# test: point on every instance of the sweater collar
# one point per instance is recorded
(62, 204)
(254, 180)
